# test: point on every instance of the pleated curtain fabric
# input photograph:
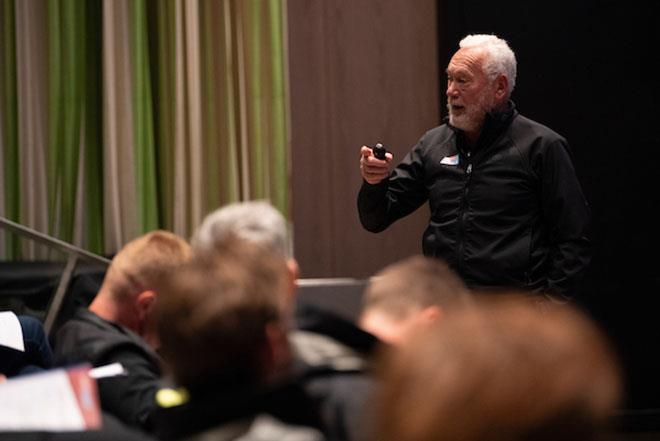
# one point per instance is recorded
(118, 117)
(10, 195)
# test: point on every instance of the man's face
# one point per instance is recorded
(470, 92)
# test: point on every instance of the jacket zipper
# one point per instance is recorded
(463, 212)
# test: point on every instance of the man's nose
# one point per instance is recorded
(452, 90)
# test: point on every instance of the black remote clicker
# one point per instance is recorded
(379, 151)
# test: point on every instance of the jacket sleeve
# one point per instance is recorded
(396, 196)
(131, 397)
(566, 216)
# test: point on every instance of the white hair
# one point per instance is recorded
(255, 221)
(500, 58)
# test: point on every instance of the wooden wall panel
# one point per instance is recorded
(361, 71)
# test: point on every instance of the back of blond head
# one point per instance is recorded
(142, 262)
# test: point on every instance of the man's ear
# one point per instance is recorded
(144, 303)
(501, 87)
(145, 306)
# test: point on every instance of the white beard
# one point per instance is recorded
(465, 122)
(473, 117)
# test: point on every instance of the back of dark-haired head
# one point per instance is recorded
(505, 371)
(214, 313)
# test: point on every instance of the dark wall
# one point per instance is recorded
(584, 70)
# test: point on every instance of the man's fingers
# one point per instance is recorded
(375, 163)
(380, 167)
(367, 155)
(373, 170)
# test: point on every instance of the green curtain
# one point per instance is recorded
(279, 132)
(74, 119)
(145, 149)
(8, 124)
(156, 113)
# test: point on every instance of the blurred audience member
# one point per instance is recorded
(120, 326)
(509, 371)
(257, 222)
(417, 290)
(224, 336)
(328, 350)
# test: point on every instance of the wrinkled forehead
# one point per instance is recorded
(470, 60)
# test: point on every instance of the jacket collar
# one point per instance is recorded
(114, 332)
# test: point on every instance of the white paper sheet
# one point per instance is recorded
(11, 334)
(55, 400)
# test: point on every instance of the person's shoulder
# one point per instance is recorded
(528, 127)
(88, 337)
(82, 326)
(82, 316)
(433, 140)
(438, 134)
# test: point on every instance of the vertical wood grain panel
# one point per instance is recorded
(361, 71)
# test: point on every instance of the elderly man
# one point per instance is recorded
(507, 209)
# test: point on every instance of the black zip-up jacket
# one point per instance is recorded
(508, 213)
(86, 337)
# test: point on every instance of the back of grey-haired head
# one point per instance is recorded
(500, 60)
(256, 221)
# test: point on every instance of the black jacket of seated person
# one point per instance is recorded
(86, 337)
(333, 357)
(214, 412)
